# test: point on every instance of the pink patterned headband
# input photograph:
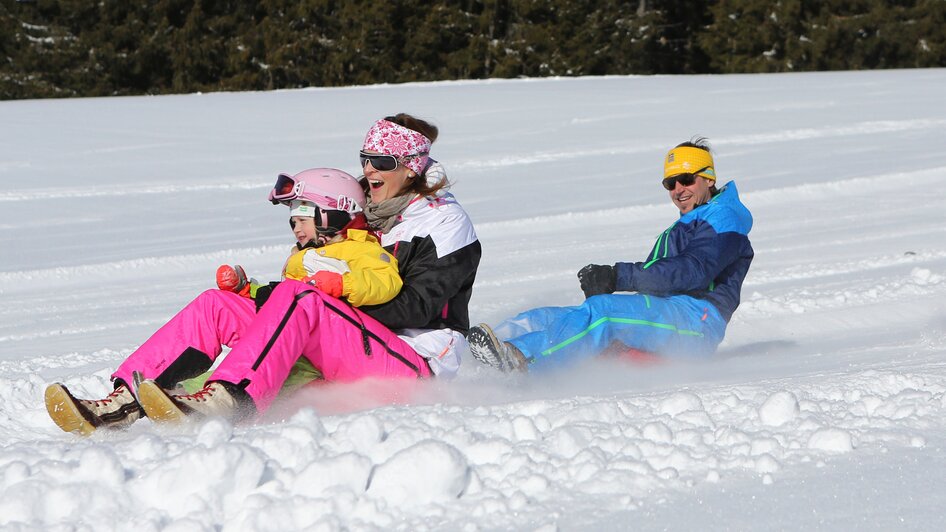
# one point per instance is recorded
(393, 139)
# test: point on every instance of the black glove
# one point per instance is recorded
(263, 293)
(596, 279)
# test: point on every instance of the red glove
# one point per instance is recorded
(233, 279)
(328, 282)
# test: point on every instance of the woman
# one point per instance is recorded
(420, 332)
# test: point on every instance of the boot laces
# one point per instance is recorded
(203, 394)
(108, 398)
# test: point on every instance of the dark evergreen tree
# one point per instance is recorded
(57, 48)
(752, 36)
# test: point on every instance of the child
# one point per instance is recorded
(320, 257)
(334, 252)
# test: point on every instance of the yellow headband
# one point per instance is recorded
(688, 160)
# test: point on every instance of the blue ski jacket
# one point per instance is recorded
(705, 254)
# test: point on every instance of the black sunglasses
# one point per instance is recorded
(685, 180)
(384, 163)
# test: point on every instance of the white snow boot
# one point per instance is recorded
(215, 399)
(486, 348)
(83, 416)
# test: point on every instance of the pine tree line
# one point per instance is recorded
(61, 48)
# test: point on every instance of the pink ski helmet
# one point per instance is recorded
(331, 196)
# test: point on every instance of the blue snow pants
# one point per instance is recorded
(675, 326)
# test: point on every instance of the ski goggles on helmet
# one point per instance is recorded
(288, 189)
(686, 180)
(385, 163)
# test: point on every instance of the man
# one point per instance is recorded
(685, 291)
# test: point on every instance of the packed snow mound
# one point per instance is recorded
(423, 464)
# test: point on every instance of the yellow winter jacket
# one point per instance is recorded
(369, 273)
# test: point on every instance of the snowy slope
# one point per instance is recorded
(825, 407)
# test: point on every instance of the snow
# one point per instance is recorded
(825, 407)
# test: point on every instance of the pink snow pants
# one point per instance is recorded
(297, 320)
(213, 319)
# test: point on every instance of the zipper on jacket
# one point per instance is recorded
(665, 239)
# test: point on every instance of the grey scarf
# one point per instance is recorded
(385, 215)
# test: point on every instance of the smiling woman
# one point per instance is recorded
(428, 231)
(395, 152)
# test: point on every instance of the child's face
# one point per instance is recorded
(304, 228)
